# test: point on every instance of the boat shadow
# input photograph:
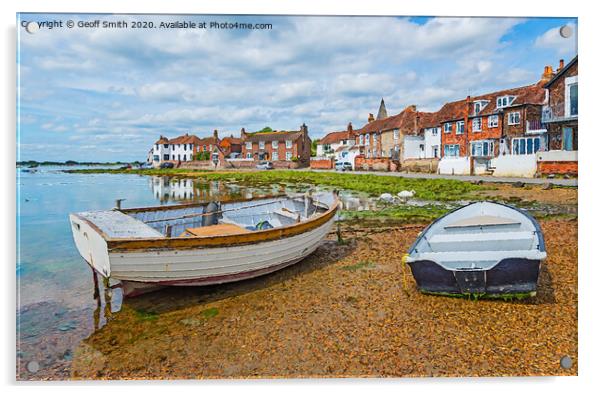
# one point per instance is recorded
(175, 298)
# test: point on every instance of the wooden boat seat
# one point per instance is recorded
(482, 221)
(482, 241)
(215, 230)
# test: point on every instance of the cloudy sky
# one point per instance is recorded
(107, 94)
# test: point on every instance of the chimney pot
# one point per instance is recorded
(560, 64)
(370, 118)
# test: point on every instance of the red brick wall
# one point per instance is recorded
(452, 138)
(321, 164)
(378, 164)
(556, 91)
(557, 167)
(301, 149)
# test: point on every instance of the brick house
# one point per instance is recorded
(561, 113)
(280, 147)
(493, 124)
(561, 119)
(231, 146)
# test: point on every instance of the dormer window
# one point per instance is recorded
(479, 106)
(505, 101)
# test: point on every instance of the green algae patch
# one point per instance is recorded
(209, 313)
(374, 185)
(146, 315)
(363, 265)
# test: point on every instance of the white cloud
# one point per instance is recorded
(552, 39)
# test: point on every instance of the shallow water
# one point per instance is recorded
(55, 304)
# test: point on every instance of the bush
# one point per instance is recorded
(203, 156)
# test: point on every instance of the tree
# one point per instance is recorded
(203, 156)
(266, 129)
(314, 147)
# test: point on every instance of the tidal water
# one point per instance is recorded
(55, 304)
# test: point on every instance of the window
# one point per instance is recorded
(447, 128)
(166, 145)
(185, 146)
(460, 127)
(504, 101)
(526, 145)
(514, 118)
(435, 131)
(366, 139)
(481, 148)
(275, 155)
(396, 134)
(289, 144)
(361, 139)
(452, 150)
(204, 148)
(571, 100)
(190, 146)
(374, 152)
(261, 144)
(476, 124)
(249, 145)
(492, 121)
(156, 146)
(274, 144)
(156, 158)
(165, 157)
(477, 107)
(289, 156)
(374, 138)
(249, 155)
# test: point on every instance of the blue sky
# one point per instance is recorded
(107, 94)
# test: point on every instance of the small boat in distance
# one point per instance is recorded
(203, 243)
(482, 249)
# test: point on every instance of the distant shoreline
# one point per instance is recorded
(35, 163)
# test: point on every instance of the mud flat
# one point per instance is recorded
(346, 311)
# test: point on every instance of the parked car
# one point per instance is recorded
(146, 166)
(126, 167)
(265, 165)
(343, 166)
(166, 165)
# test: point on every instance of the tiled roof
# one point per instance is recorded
(231, 141)
(274, 135)
(185, 139)
(531, 94)
(336, 136)
(405, 121)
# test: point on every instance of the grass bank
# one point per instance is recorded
(426, 189)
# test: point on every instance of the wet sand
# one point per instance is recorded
(346, 311)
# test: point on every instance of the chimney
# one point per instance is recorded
(215, 134)
(304, 128)
(370, 118)
(412, 107)
(560, 65)
(243, 133)
(548, 73)
(416, 121)
(349, 131)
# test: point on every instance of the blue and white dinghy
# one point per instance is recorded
(483, 248)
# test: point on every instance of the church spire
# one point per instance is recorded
(382, 111)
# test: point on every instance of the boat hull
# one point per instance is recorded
(514, 276)
(145, 270)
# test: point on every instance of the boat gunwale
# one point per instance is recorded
(116, 245)
(538, 230)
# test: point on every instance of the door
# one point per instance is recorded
(567, 138)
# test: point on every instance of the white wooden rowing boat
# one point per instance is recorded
(202, 244)
(483, 248)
